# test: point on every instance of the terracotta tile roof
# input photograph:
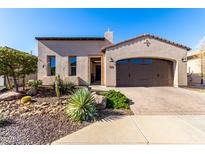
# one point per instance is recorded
(149, 36)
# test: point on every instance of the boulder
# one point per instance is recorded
(3, 89)
(10, 95)
(32, 92)
(101, 101)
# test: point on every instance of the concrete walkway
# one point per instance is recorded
(141, 130)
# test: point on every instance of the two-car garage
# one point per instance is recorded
(146, 61)
(144, 72)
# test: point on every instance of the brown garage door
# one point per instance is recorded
(144, 72)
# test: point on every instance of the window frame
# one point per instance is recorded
(49, 67)
(70, 67)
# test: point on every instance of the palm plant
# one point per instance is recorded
(81, 106)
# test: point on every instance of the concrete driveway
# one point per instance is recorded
(165, 101)
(163, 115)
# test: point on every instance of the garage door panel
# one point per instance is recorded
(123, 79)
(145, 72)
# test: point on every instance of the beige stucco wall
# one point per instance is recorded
(194, 71)
(137, 48)
(62, 49)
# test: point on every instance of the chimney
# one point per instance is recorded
(109, 36)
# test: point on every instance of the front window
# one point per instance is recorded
(122, 62)
(148, 61)
(51, 65)
(72, 65)
(136, 61)
(141, 61)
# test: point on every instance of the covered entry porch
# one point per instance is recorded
(96, 72)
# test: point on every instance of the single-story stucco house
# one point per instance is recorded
(145, 60)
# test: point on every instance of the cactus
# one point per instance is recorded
(57, 85)
(2, 119)
(26, 99)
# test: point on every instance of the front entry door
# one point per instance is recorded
(98, 73)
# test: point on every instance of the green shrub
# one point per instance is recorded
(65, 87)
(34, 83)
(81, 106)
(26, 99)
(116, 100)
(2, 120)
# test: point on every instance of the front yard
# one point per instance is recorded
(44, 119)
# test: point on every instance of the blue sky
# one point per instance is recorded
(19, 27)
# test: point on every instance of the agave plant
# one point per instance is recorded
(81, 106)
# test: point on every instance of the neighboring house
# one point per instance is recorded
(145, 60)
(1, 81)
(20, 81)
(196, 67)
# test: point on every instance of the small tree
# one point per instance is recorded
(29, 66)
(16, 64)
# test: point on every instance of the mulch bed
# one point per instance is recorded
(44, 122)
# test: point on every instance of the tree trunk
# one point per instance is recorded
(9, 83)
(24, 82)
(15, 82)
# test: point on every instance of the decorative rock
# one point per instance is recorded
(41, 106)
(101, 101)
(44, 104)
(32, 92)
(64, 102)
(3, 89)
(11, 95)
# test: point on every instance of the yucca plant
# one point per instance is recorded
(81, 106)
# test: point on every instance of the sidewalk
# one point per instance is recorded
(141, 130)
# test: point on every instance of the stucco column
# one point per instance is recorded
(83, 69)
(64, 67)
(175, 71)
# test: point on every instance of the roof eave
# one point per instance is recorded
(71, 38)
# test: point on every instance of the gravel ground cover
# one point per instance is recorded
(44, 129)
(43, 120)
